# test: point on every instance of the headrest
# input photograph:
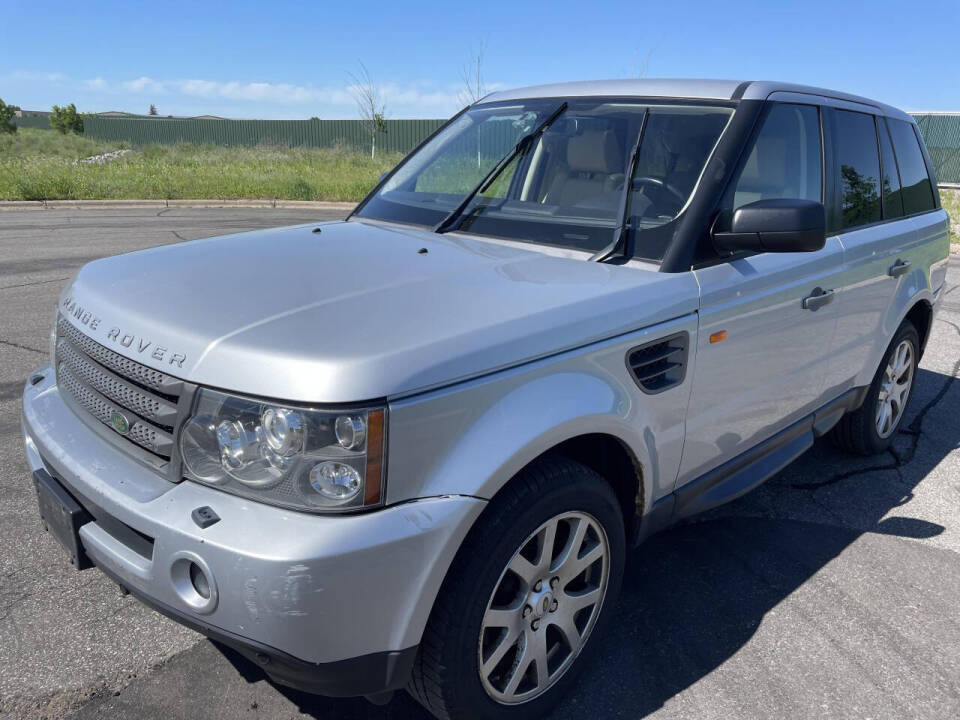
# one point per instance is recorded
(594, 151)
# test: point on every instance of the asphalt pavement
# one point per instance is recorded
(832, 591)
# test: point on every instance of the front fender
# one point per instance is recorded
(472, 438)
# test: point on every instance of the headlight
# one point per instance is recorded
(301, 458)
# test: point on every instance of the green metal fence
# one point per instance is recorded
(941, 133)
(400, 136)
(41, 122)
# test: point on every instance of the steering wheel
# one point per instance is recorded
(663, 185)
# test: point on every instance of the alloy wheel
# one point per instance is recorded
(895, 389)
(543, 608)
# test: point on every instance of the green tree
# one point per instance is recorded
(6, 118)
(153, 109)
(66, 119)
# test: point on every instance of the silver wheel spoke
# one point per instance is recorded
(577, 565)
(509, 641)
(519, 671)
(523, 568)
(568, 627)
(577, 533)
(509, 618)
(895, 389)
(578, 602)
(546, 547)
(516, 651)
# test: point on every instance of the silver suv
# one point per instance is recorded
(412, 449)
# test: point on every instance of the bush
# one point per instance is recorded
(66, 119)
(6, 118)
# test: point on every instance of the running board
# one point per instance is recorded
(743, 473)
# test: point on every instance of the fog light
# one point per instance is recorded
(336, 481)
(199, 581)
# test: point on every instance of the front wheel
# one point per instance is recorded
(871, 428)
(532, 584)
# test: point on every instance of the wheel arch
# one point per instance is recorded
(921, 315)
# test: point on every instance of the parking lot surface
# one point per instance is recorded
(832, 591)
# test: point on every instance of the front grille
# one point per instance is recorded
(118, 392)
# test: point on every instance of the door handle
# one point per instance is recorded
(817, 299)
(900, 267)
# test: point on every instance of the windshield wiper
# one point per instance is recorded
(453, 220)
(620, 231)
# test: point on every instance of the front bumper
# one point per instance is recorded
(334, 605)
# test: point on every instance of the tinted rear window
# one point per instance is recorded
(917, 189)
(859, 163)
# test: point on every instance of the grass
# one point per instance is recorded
(33, 143)
(38, 165)
(951, 203)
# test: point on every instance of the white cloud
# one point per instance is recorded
(144, 84)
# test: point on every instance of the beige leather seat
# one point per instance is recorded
(593, 168)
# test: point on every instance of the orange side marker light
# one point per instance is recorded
(718, 336)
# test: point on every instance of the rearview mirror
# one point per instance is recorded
(775, 226)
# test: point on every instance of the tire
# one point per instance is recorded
(859, 432)
(553, 492)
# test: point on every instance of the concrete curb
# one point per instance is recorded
(162, 204)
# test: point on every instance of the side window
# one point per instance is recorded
(917, 189)
(859, 165)
(892, 202)
(785, 160)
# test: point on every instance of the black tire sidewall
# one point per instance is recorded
(487, 554)
(875, 443)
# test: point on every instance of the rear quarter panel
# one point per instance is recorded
(928, 255)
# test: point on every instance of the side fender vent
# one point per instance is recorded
(659, 365)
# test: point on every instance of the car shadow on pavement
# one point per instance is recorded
(695, 595)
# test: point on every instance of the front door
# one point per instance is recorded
(761, 355)
(767, 321)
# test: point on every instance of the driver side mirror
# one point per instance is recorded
(779, 225)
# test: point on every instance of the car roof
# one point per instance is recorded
(694, 90)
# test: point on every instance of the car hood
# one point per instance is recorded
(357, 311)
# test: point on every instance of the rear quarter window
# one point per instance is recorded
(917, 189)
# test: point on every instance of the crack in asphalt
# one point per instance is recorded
(914, 431)
(35, 282)
(23, 347)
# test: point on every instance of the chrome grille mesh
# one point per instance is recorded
(142, 402)
(120, 393)
(140, 374)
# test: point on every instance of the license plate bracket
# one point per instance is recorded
(62, 517)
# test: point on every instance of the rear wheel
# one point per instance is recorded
(532, 584)
(871, 428)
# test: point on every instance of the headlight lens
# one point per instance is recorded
(301, 458)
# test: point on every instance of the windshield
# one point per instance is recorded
(567, 187)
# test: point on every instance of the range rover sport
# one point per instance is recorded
(412, 448)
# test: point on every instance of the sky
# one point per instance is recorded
(296, 59)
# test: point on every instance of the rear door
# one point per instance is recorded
(881, 188)
(761, 355)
